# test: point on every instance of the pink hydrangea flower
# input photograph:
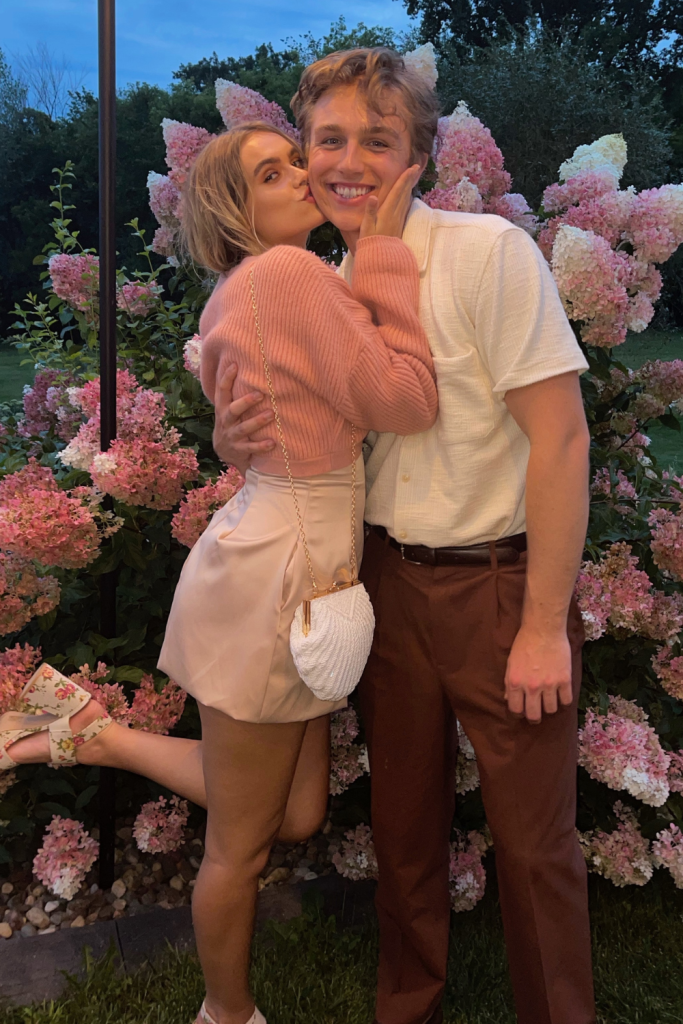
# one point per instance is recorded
(155, 710)
(184, 143)
(151, 710)
(613, 595)
(668, 853)
(662, 380)
(622, 751)
(164, 200)
(346, 765)
(65, 857)
(136, 298)
(75, 279)
(192, 355)
(466, 768)
(581, 188)
(676, 772)
(590, 278)
(23, 593)
(669, 671)
(466, 874)
(17, 665)
(655, 228)
(163, 243)
(514, 207)
(349, 760)
(622, 856)
(344, 727)
(464, 197)
(237, 105)
(43, 406)
(467, 150)
(667, 541)
(110, 695)
(160, 825)
(145, 464)
(198, 505)
(357, 858)
(602, 484)
(39, 520)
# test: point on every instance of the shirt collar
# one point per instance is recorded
(415, 235)
(416, 232)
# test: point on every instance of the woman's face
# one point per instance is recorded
(280, 202)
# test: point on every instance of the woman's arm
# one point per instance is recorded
(375, 370)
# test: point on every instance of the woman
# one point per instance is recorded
(341, 359)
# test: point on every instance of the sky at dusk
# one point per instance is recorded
(155, 36)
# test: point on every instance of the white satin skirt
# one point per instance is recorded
(227, 637)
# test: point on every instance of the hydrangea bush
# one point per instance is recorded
(605, 246)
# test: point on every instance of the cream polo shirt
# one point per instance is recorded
(494, 320)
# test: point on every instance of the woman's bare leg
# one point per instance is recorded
(248, 769)
(171, 761)
(176, 763)
(308, 796)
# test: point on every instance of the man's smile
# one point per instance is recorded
(350, 192)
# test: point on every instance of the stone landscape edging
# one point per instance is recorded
(34, 968)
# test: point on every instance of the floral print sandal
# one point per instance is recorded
(206, 1018)
(48, 702)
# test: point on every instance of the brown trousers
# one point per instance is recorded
(440, 650)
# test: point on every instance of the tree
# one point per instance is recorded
(542, 98)
(12, 94)
(276, 73)
(617, 31)
(48, 80)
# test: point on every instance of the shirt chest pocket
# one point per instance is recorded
(467, 407)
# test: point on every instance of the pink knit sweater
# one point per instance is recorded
(337, 355)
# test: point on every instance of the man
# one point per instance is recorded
(476, 532)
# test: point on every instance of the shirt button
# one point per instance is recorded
(402, 534)
(405, 478)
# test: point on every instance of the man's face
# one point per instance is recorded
(354, 153)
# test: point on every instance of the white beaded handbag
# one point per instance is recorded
(332, 631)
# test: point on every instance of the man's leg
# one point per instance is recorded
(528, 777)
(412, 743)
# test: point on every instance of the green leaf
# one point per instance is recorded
(671, 421)
(128, 674)
(55, 786)
(81, 654)
(85, 797)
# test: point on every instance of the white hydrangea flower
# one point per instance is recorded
(608, 153)
(643, 786)
(104, 462)
(423, 62)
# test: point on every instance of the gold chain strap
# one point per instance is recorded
(281, 437)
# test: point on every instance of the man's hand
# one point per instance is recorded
(539, 674)
(231, 434)
(550, 412)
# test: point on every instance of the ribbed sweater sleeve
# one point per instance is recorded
(362, 349)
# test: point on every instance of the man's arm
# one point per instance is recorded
(551, 414)
(231, 434)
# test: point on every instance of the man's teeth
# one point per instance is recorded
(351, 192)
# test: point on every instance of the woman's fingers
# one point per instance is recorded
(392, 213)
(369, 223)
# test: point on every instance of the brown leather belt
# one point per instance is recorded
(508, 550)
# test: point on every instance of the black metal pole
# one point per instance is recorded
(106, 25)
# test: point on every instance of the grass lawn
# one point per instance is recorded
(13, 376)
(667, 444)
(308, 972)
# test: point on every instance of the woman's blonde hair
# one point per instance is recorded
(217, 227)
